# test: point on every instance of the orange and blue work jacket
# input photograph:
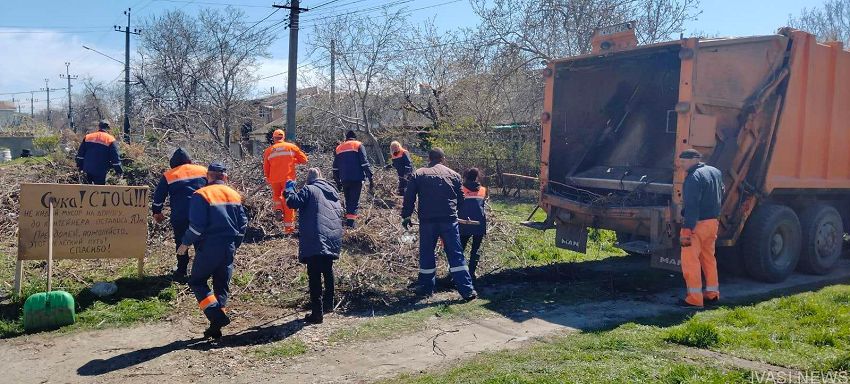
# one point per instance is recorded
(472, 208)
(179, 184)
(216, 213)
(279, 162)
(402, 163)
(351, 163)
(98, 152)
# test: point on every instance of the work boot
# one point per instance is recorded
(684, 304)
(278, 215)
(212, 332)
(711, 302)
(349, 223)
(472, 296)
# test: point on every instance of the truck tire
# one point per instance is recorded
(823, 238)
(771, 243)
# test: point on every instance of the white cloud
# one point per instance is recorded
(26, 59)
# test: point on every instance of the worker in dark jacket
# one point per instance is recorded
(472, 209)
(438, 190)
(217, 226)
(402, 164)
(98, 152)
(319, 239)
(179, 183)
(702, 194)
(350, 168)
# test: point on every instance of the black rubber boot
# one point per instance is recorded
(218, 319)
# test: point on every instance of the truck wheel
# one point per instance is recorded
(823, 238)
(771, 243)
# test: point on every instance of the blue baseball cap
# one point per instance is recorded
(217, 166)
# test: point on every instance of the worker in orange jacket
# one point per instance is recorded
(702, 195)
(279, 163)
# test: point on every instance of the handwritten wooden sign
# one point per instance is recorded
(90, 221)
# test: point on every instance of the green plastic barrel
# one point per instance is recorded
(49, 310)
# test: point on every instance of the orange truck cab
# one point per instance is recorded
(769, 111)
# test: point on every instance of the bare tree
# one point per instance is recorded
(366, 52)
(198, 71)
(830, 22)
(556, 28)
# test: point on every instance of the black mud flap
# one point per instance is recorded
(667, 259)
(571, 237)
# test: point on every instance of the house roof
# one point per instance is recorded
(5, 105)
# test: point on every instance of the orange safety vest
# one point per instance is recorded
(279, 161)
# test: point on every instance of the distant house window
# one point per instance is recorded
(264, 112)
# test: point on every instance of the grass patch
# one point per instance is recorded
(808, 332)
(694, 334)
(138, 298)
(531, 247)
(629, 354)
(26, 161)
(282, 349)
(805, 331)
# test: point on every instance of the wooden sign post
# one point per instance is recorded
(90, 222)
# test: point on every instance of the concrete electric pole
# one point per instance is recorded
(127, 105)
(68, 76)
(47, 89)
(291, 89)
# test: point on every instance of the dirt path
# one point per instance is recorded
(168, 351)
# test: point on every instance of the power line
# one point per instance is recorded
(367, 9)
(374, 9)
(187, 2)
(325, 3)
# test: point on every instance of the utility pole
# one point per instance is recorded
(32, 104)
(333, 74)
(291, 89)
(47, 88)
(68, 76)
(127, 34)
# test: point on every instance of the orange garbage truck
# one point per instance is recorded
(771, 112)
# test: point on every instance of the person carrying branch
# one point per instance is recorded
(179, 184)
(350, 168)
(217, 225)
(319, 238)
(279, 163)
(438, 190)
(98, 152)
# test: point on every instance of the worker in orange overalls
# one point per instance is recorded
(702, 194)
(279, 163)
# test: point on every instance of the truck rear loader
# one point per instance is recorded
(771, 112)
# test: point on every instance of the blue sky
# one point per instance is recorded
(38, 36)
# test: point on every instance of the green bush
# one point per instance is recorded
(694, 334)
(46, 143)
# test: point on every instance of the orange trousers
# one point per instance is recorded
(698, 260)
(280, 205)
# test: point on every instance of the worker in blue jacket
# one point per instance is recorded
(350, 168)
(438, 190)
(217, 226)
(98, 152)
(402, 164)
(472, 209)
(319, 238)
(178, 183)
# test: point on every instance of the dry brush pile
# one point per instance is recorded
(378, 263)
